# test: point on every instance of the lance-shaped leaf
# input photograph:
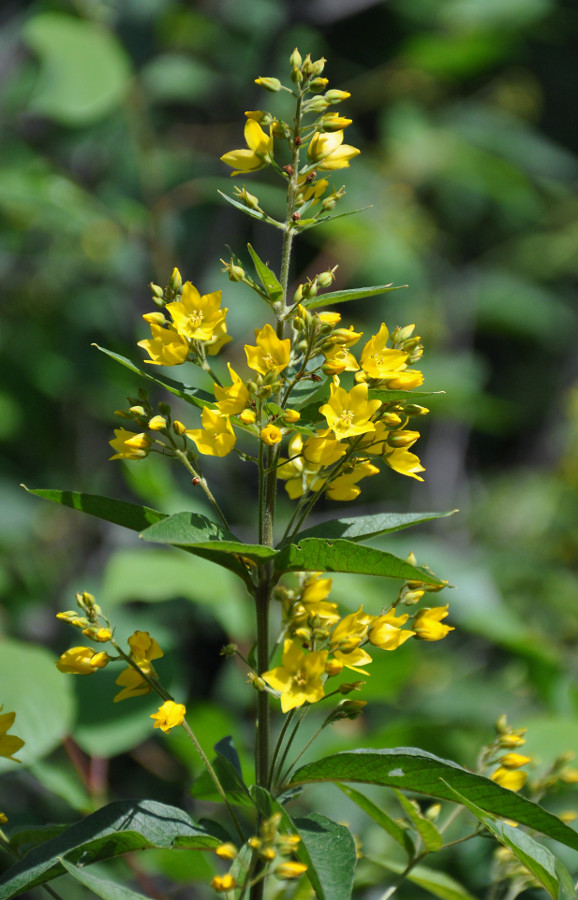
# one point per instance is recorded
(383, 819)
(432, 839)
(196, 533)
(328, 850)
(108, 890)
(254, 213)
(115, 829)
(119, 512)
(437, 883)
(353, 294)
(410, 769)
(190, 394)
(546, 868)
(227, 765)
(319, 555)
(364, 527)
(267, 277)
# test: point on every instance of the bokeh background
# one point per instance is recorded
(114, 116)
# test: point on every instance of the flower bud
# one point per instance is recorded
(318, 84)
(270, 84)
(334, 122)
(296, 59)
(333, 667)
(176, 281)
(316, 104)
(348, 687)
(157, 423)
(290, 869)
(290, 416)
(402, 438)
(335, 96)
(318, 66)
(229, 650)
(137, 411)
(178, 427)
(101, 635)
(226, 851)
(414, 409)
(154, 318)
(248, 417)
(325, 279)
(157, 291)
(223, 883)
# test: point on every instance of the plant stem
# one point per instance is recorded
(208, 493)
(280, 739)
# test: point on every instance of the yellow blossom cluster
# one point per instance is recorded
(319, 643)
(138, 678)
(274, 849)
(356, 428)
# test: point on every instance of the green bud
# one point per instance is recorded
(318, 66)
(270, 84)
(176, 281)
(335, 96)
(296, 59)
(318, 84)
(325, 279)
(157, 290)
(137, 411)
(307, 66)
(316, 104)
(413, 409)
(229, 650)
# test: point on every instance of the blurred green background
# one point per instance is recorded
(115, 114)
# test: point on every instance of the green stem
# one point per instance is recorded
(202, 482)
(280, 740)
(164, 695)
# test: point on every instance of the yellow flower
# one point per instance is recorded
(323, 450)
(316, 588)
(353, 659)
(101, 635)
(271, 354)
(339, 359)
(216, 437)
(169, 715)
(428, 626)
(344, 487)
(348, 413)
(511, 779)
(327, 151)
(378, 360)
(197, 317)
(223, 883)
(271, 434)
(299, 678)
(385, 631)
(290, 416)
(129, 445)
(404, 462)
(82, 661)
(351, 631)
(405, 381)
(290, 869)
(329, 318)
(166, 348)
(144, 649)
(514, 760)
(226, 851)
(219, 338)
(375, 443)
(232, 400)
(248, 417)
(257, 156)
(9, 744)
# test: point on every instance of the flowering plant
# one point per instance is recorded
(314, 418)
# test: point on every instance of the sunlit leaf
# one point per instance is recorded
(352, 294)
(364, 527)
(410, 769)
(328, 850)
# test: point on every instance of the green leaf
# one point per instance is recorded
(267, 277)
(108, 890)
(254, 213)
(549, 871)
(41, 697)
(365, 527)
(84, 71)
(191, 394)
(186, 530)
(115, 829)
(227, 765)
(353, 294)
(24, 838)
(119, 512)
(383, 819)
(437, 883)
(318, 555)
(432, 839)
(410, 769)
(328, 850)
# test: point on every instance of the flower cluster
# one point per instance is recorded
(273, 850)
(138, 678)
(319, 643)
(343, 439)
(501, 759)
